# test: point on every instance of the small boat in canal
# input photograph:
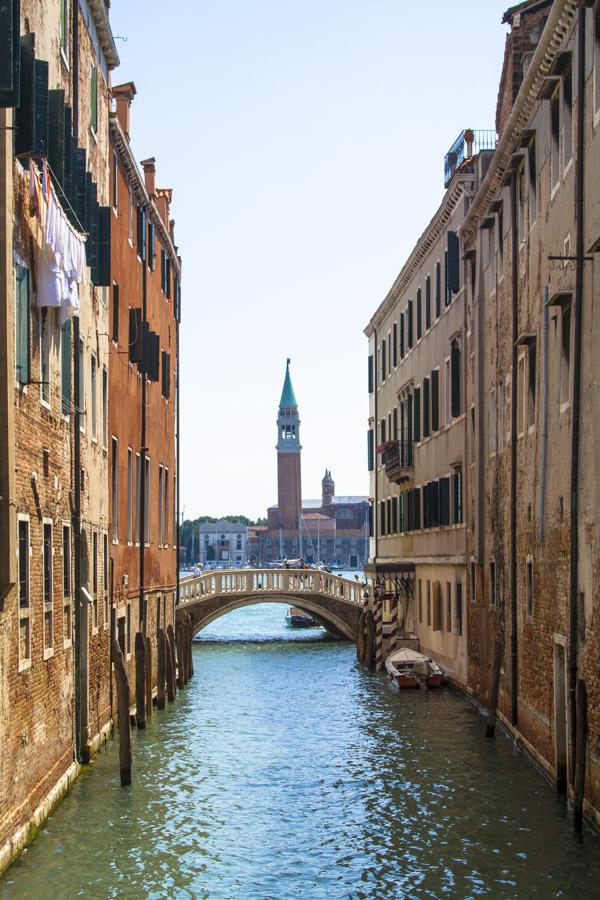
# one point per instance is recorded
(297, 618)
(410, 669)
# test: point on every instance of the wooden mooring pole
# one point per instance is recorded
(122, 684)
(148, 649)
(161, 668)
(170, 656)
(191, 655)
(180, 656)
(140, 680)
(490, 727)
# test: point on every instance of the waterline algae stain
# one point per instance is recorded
(285, 770)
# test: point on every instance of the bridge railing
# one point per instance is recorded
(274, 582)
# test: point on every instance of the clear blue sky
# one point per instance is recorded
(304, 141)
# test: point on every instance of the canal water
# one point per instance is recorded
(284, 770)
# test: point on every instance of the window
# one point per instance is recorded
(473, 582)
(565, 355)
(24, 595)
(22, 324)
(529, 587)
(437, 606)
(395, 345)
(130, 214)
(597, 59)
(402, 337)
(428, 303)
(459, 607)
(492, 582)
(65, 367)
(67, 581)
(409, 324)
(370, 374)
(94, 99)
(457, 496)
(382, 431)
(555, 140)
(420, 595)
(115, 313)
(428, 602)
(370, 450)
(492, 420)
(567, 95)
(160, 506)
(94, 579)
(492, 264)
(531, 383)
(104, 407)
(426, 406)
(455, 376)
(419, 314)
(47, 591)
(532, 168)
(64, 28)
(105, 573)
(444, 500)
(383, 360)
(500, 414)
(438, 290)
(166, 511)
(138, 495)
(141, 233)
(447, 392)
(435, 400)
(115, 181)
(448, 607)
(45, 337)
(151, 246)
(500, 243)
(417, 415)
(129, 495)
(166, 374)
(94, 390)
(452, 266)
(146, 500)
(115, 489)
(128, 631)
(81, 385)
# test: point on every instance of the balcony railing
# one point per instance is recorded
(468, 143)
(398, 461)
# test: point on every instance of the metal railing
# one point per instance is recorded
(272, 582)
(468, 143)
(398, 455)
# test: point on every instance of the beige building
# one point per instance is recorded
(532, 237)
(417, 426)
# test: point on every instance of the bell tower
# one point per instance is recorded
(289, 487)
(327, 489)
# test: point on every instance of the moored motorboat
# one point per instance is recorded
(297, 618)
(408, 669)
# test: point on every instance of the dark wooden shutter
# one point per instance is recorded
(32, 113)
(409, 439)
(419, 314)
(135, 335)
(409, 324)
(383, 360)
(453, 263)
(417, 416)
(56, 134)
(141, 233)
(402, 337)
(455, 377)
(434, 499)
(395, 344)
(166, 374)
(428, 302)
(438, 290)
(176, 299)
(435, 400)
(394, 434)
(426, 407)
(115, 313)
(417, 507)
(10, 52)
(150, 363)
(83, 190)
(370, 450)
(445, 501)
(426, 521)
(103, 252)
(370, 373)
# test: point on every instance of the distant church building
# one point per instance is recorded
(333, 530)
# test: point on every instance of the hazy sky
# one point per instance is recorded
(304, 141)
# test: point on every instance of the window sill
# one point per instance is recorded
(93, 136)
(115, 542)
(64, 60)
(24, 665)
(106, 626)
(46, 405)
(564, 406)
(67, 644)
(94, 630)
(554, 191)
(94, 440)
(49, 653)
(567, 168)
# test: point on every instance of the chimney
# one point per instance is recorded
(163, 202)
(149, 167)
(124, 94)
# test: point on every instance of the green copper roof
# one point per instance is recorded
(288, 398)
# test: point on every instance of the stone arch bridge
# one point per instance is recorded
(335, 602)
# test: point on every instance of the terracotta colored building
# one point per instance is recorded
(144, 322)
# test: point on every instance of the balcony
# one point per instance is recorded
(398, 461)
(469, 143)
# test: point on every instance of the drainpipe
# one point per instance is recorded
(513, 449)
(576, 410)
(8, 549)
(544, 444)
(143, 451)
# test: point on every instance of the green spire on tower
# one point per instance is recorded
(288, 398)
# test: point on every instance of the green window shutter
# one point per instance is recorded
(32, 113)
(435, 400)
(438, 290)
(370, 374)
(426, 407)
(56, 134)
(453, 263)
(103, 247)
(419, 314)
(417, 411)
(22, 324)
(94, 99)
(65, 366)
(10, 52)
(370, 450)
(80, 189)
(428, 302)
